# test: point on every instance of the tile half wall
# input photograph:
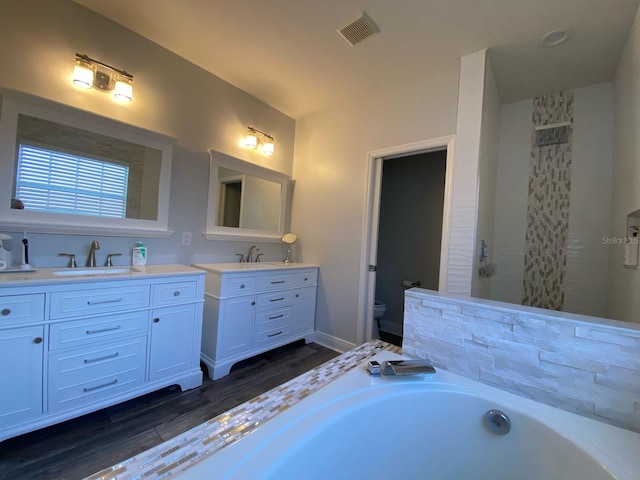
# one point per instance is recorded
(581, 364)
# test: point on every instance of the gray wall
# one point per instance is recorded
(38, 42)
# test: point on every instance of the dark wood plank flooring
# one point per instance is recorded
(85, 445)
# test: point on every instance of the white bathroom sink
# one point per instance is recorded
(78, 272)
(250, 266)
(226, 267)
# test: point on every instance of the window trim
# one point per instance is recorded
(13, 220)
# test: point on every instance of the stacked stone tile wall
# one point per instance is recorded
(581, 364)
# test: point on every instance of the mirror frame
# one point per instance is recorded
(14, 103)
(216, 232)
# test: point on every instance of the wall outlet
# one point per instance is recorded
(186, 238)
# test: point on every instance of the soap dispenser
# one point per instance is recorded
(139, 255)
(631, 248)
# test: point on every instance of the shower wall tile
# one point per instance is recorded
(464, 201)
(565, 360)
(545, 255)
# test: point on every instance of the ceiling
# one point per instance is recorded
(288, 53)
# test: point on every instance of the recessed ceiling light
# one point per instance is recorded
(555, 37)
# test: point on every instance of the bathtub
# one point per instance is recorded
(424, 427)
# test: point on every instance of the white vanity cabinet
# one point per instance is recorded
(252, 308)
(72, 346)
(173, 341)
(21, 355)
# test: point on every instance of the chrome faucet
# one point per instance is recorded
(407, 367)
(91, 260)
(250, 254)
(72, 259)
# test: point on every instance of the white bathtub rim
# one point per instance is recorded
(614, 448)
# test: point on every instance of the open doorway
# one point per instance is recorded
(409, 235)
(367, 326)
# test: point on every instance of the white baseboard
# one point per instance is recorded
(334, 343)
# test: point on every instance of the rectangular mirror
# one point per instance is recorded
(70, 171)
(246, 201)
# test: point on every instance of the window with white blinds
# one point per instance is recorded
(59, 182)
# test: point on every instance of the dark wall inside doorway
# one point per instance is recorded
(409, 230)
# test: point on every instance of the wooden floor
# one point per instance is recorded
(85, 445)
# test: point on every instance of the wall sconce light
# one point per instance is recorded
(88, 73)
(256, 139)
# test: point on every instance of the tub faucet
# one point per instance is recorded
(250, 254)
(91, 260)
(407, 367)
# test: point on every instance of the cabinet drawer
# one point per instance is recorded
(174, 293)
(238, 285)
(271, 336)
(94, 373)
(306, 278)
(21, 309)
(272, 326)
(97, 329)
(102, 300)
(275, 281)
(272, 319)
(274, 299)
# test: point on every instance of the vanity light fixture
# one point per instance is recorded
(88, 73)
(256, 139)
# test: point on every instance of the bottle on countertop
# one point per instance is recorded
(139, 254)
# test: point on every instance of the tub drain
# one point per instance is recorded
(498, 422)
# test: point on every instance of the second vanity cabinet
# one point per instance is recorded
(72, 346)
(252, 308)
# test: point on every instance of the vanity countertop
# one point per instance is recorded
(250, 267)
(57, 275)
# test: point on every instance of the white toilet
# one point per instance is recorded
(378, 310)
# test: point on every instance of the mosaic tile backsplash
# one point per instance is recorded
(545, 255)
(198, 443)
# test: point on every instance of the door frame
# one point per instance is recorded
(369, 249)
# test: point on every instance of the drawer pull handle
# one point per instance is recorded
(6, 311)
(37, 340)
(102, 302)
(276, 316)
(106, 357)
(176, 293)
(274, 282)
(274, 334)
(306, 279)
(156, 320)
(110, 329)
(253, 303)
(276, 299)
(242, 286)
(91, 389)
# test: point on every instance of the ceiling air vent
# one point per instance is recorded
(358, 30)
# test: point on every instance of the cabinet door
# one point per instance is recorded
(21, 352)
(236, 325)
(172, 341)
(303, 314)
